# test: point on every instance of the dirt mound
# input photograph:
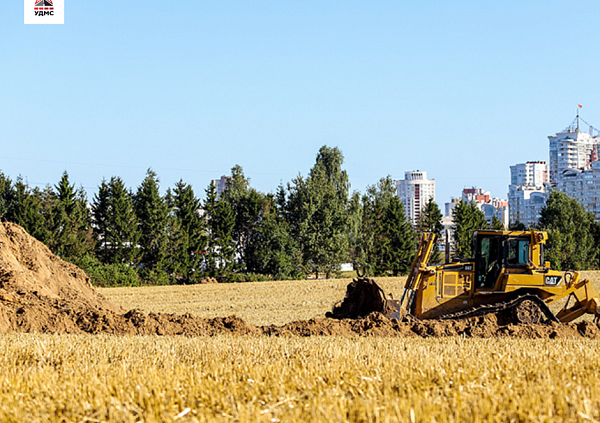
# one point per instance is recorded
(39, 292)
(377, 324)
(363, 297)
(32, 277)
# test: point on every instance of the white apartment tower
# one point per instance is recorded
(572, 149)
(415, 191)
(574, 166)
(527, 191)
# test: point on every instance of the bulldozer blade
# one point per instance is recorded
(394, 310)
(363, 297)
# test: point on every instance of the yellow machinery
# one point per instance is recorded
(507, 277)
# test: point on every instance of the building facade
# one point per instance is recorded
(571, 149)
(490, 206)
(527, 192)
(574, 165)
(415, 191)
(221, 185)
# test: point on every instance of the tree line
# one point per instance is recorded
(307, 227)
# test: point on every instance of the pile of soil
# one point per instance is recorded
(363, 297)
(39, 292)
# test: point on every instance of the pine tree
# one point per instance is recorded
(24, 207)
(497, 225)
(467, 218)
(246, 204)
(431, 221)
(121, 227)
(5, 194)
(272, 250)
(70, 222)
(188, 233)
(101, 216)
(220, 222)
(401, 238)
(152, 211)
(374, 237)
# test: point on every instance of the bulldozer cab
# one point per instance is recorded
(496, 251)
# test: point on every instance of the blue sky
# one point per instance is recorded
(460, 89)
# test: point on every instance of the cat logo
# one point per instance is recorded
(552, 280)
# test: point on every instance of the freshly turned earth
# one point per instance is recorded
(39, 292)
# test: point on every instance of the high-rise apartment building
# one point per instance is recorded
(415, 191)
(574, 165)
(572, 149)
(527, 191)
(584, 186)
(221, 184)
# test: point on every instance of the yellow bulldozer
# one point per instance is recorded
(507, 277)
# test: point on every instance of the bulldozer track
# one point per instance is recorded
(496, 308)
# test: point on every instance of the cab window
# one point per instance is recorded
(488, 262)
(518, 252)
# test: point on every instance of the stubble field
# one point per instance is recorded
(93, 378)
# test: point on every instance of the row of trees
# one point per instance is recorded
(307, 227)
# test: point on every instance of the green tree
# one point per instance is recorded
(24, 206)
(188, 233)
(318, 207)
(497, 225)
(517, 226)
(467, 218)
(100, 215)
(70, 221)
(246, 204)
(386, 237)
(5, 194)
(220, 222)
(116, 223)
(271, 248)
(400, 249)
(430, 220)
(570, 233)
(152, 213)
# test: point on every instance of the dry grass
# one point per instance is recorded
(87, 378)
(259, 303)
(241, 379)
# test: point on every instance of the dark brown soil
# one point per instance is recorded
(41, 293)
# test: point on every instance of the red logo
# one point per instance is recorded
(44, 5)
(44, 8)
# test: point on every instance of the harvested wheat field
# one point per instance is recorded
(78, 378)
(71, 354)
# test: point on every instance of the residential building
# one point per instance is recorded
(572, 149)
(527, 192)
(221, 185)
(490, 206)
(584, 186)
(574, 165)
(415, 191)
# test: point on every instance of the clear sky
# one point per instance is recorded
(461, 89)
